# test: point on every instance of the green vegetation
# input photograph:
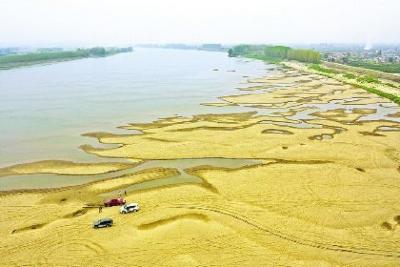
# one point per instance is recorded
(304, 55)
(319, 68)
(12, 61)
(373, 90)
(245, 50)
(349, 75)
(385, 67)
(265, 58)
(275, 53)
(280, 52)
(368, 79)
(391, 85)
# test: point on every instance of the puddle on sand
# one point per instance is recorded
(297, 124)
(37, 181)
(183, 177)
(381, 113)
(388, 129)
(321, 137)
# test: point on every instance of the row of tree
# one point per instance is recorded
(280, 52)
(304, 55)
(62, 55)
(242, 50)
(275, 53)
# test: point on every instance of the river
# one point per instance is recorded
(45, 109)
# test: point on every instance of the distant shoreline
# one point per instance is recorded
(38, 58)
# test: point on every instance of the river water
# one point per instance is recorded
(45, 109)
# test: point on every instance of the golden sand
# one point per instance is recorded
(65, 167)
(325, 194)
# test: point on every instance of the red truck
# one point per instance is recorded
(114, 202)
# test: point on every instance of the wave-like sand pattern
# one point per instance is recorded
(324, 190)
(161, 222)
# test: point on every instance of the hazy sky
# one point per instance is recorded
(117, 22)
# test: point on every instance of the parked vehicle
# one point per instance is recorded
(127, 208)
(114, 202)
(104, 222)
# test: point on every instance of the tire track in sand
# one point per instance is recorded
(310, 243)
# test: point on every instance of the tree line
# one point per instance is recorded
(62, 55)
(275, 53)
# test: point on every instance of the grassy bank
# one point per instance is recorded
(14, 61)
(363, 71)
(394, 98)
(385, 67)
(367, 82)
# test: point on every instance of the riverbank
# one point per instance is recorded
(364, 71)
(384, 87)
(325, 190)
(23, 60)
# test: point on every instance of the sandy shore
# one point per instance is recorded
(325, 193)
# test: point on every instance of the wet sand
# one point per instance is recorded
(322, 190)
